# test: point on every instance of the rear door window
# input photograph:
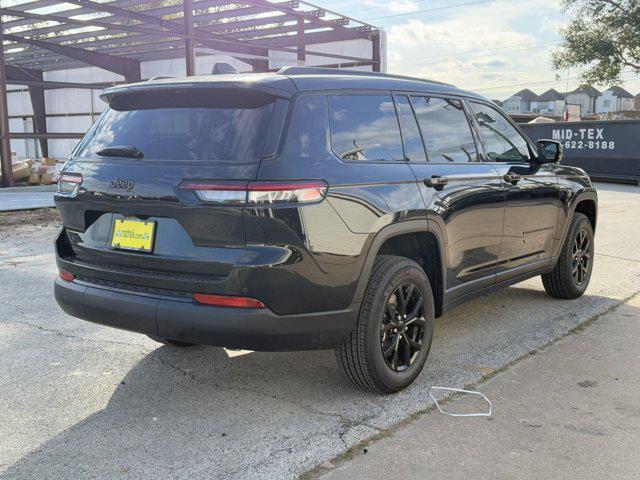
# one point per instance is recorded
(445, 129)
(199, 125)
(365, 128)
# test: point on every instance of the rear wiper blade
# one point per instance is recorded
(126, 151)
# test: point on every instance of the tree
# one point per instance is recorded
(602, 39)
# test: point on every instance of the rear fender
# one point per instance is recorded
(397, 229)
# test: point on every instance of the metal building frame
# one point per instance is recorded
(118, 34)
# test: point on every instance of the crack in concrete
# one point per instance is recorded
(618, 258)
(75, 337)
(344, 424)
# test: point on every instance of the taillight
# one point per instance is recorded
(68, 183)
(66, 276)
(257, 193)
(227, 301)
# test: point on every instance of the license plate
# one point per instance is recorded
(131, 234)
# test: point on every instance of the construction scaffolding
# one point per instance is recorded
(39, 36)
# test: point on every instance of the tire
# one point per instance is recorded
(562, 281)
(167, 341)
(361, 356)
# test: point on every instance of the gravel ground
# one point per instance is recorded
(84, 401)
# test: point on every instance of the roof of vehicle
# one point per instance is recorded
(290, 80)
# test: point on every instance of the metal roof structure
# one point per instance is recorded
(116, 35)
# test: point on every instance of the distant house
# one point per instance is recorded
(637, 102)
(585, 96)
(550, 102)
(614, 99)
(520, 102)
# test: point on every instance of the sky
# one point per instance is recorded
(493, 47)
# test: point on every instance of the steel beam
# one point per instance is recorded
(31, 77)
(313, 15)
(36, 94)
(189, 52)
(300, 42)
(5, 146)
(128, 68)
(38, 136)
(375, 50)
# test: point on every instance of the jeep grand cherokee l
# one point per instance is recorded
(311, 209)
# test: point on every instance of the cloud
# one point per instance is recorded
(487, 62)
(394, 6)
(402, 6)
(477, 46)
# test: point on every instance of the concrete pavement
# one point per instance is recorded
(25, 198)
(571, 411)
(80, 400)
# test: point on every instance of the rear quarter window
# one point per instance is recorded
(201, 125)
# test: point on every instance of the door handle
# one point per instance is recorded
(512, 177)
(436, 181)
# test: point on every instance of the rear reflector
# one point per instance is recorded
(257, 193)
(227, 301)
(66, 276)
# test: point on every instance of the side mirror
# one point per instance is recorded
(549, 151)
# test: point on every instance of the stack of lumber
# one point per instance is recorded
(21, 169)
(43, 172)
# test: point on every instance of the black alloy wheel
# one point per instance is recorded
(581, 257)
(392, 335)
(403, 327)
(571, 274)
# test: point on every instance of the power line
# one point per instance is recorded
(623, 74)
(427, 10)
(476, 53)
(377, 7)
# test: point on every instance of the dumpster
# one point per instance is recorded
(606, 150)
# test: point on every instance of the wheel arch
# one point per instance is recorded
(411, 239)
(584, 201)
(588, 207)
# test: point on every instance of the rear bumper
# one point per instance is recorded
(181, 319)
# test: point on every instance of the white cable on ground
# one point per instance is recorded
(481, 414)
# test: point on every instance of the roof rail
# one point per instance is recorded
(293, 71)
(161, 77)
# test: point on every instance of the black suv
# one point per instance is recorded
(311, 209)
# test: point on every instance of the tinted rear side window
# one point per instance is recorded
(445, 129)
(365, 127)
(308, 135)
(200, 125)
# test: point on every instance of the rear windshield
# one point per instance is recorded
(198, 125)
